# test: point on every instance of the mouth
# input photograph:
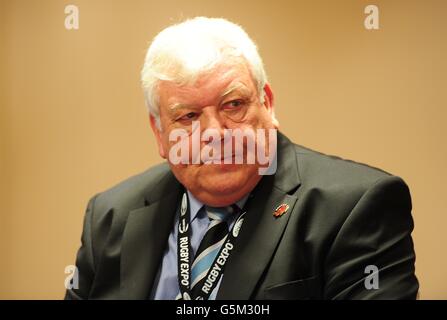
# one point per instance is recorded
(221, 160)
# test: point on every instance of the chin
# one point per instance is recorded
(219, 185)
(226, 182)
(224, 188)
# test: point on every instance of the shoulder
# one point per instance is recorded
(319, 169)
(136, 191)
(342, 183)
(107, 211)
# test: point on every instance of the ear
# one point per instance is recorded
(268, 103)
(158, 137)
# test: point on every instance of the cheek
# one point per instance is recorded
(259, 117)
(165, 141)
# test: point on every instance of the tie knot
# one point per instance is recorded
(221, 213)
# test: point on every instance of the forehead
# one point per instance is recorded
(208, 86)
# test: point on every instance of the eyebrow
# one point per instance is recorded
(234, 87)
(228, 90)
(177, 105)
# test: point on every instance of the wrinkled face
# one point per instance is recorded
(224, 98)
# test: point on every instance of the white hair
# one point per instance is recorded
(183, 51)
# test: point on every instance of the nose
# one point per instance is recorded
(212, 120)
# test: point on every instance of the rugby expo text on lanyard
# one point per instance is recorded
(184, 258)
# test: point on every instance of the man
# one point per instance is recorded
(309, 226)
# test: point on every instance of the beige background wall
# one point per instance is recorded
(73, 122)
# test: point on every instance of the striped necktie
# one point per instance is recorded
(210, 245)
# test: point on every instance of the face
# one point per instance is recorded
(225, 98)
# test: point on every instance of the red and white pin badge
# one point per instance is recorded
(280, 210)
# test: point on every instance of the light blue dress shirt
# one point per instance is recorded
(166, 284)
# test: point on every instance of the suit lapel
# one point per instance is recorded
(261, 231)
(144, 241)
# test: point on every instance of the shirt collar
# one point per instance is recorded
(195, 205)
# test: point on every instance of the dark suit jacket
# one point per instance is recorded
(343, 217)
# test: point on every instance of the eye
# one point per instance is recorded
(188, 116)
(234, 104)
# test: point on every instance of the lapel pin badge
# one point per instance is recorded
(280, 210)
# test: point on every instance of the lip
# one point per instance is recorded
(222, 160)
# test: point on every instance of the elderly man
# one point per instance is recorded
(214, 225)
